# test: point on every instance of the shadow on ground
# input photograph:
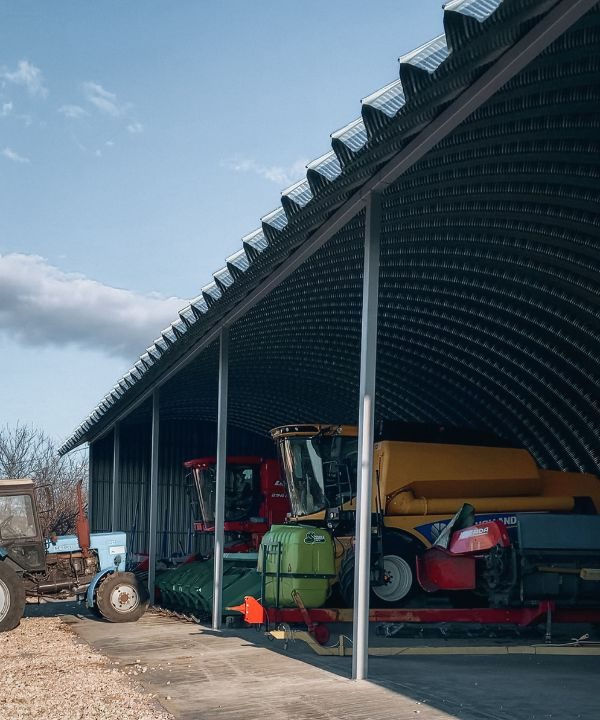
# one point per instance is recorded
(238, 673)
(54, 608)
(467, 686)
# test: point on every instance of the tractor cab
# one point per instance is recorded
(20, 533)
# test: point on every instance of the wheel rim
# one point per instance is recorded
(124, 598)
(399, 579)
(4, 600)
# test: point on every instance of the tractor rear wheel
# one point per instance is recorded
(121, 597)
(12, 598)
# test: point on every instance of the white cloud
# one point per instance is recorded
(28, 76)
(7, 108)
(104, 100)
(10, 154)
(72, 111)
(41, 305)
(109, 104)
(277, 174)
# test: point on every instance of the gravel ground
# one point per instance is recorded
(45, 672)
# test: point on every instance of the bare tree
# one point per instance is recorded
(26, 451)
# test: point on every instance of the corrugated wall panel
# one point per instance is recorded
(179, 441)
(100, 489)
(132, 512)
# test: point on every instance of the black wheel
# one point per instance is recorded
(399, 555)
(121, 597)
(12, 598)
(346, 581)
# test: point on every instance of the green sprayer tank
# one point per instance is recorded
(296, 557)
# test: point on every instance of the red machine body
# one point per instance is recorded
(255, 498)
(455, 568)
(479, 538)
(317, 619)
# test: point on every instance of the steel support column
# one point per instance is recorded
(153, 505)
(116, 476)
(368, 358)
(221, 467)
(90, 484)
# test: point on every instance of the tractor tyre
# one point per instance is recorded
(346, 579)
(121, 597)
(400, 568)
(12, 598)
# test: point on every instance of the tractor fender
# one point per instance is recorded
(90, 599)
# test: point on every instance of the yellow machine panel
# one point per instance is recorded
(438, 470)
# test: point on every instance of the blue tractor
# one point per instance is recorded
(87, 566)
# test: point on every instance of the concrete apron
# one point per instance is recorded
(197, 673)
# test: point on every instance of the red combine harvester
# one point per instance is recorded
(255, 499)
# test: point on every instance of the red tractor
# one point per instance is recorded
(255, 499)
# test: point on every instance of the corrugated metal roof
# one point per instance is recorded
(479, 9)
(460, 186)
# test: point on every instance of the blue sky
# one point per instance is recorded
(138, 142)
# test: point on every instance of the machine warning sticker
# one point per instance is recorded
(312, 537)
(116, 550)
(473, 532)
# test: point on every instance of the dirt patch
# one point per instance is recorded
(47, 673)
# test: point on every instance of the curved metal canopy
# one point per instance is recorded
(489, 266)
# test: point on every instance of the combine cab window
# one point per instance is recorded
(320, 471)
(241, 499)
(16, 517)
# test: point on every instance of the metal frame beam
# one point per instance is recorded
(366, 424)
(116, 475)
(153, 504)
(564, 14)
(217, 612)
